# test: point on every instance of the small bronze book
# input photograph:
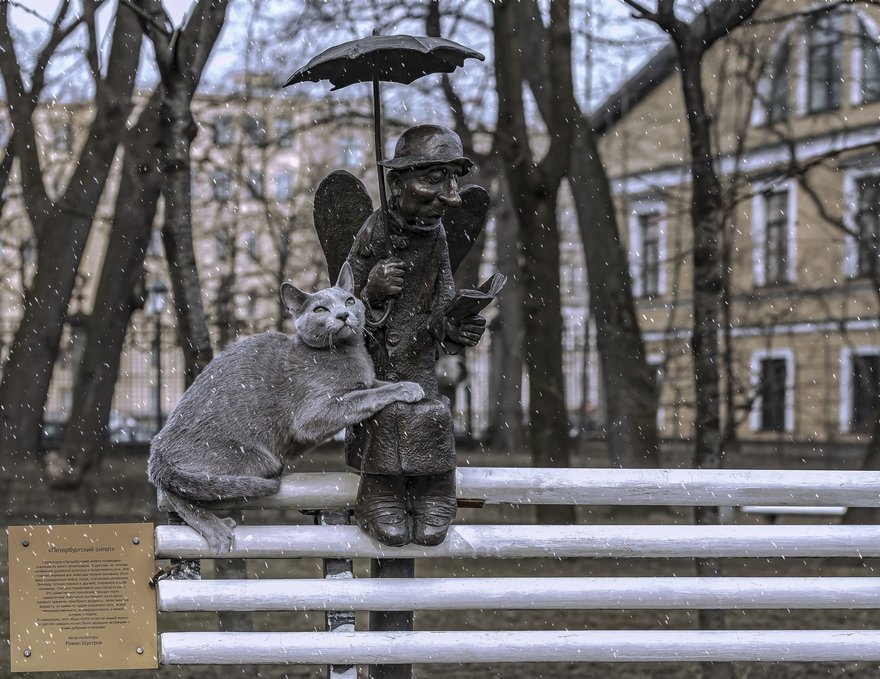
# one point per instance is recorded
(469, 301)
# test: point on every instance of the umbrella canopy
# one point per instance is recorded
(388, 58)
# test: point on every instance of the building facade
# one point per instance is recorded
(794, 96)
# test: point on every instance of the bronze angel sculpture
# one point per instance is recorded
(403, 260)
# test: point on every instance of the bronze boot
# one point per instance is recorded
(380, 508)
(432, 507)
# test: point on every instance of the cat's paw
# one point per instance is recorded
(410, 392)
(220, 537)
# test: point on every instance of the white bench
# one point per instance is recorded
(397, 649)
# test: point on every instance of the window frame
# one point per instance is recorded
(766, 88)
(865, 29)
(835, 66)
(639, 209)
(847, 394)
(225, 123)
(218, 192)
(761, 190)
(283, 177)
(255, 130)
(852, 250)
(757, 409)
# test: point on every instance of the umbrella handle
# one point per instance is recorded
(383, 198)
(380, 172)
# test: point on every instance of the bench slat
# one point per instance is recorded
(227, 648)
(515, 541)
(517, 593)
(600, 486)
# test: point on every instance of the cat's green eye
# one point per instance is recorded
(349, 301)
(320, 310)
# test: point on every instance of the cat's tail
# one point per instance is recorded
(202, 487)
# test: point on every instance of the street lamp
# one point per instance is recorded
(156, 301)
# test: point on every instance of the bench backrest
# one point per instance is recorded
(345, 648)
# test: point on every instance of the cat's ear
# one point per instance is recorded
(293, 297)
(346, 278)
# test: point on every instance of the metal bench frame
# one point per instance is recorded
(390, 647)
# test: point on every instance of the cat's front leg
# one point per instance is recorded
(364, 403)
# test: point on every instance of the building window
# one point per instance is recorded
(221, 244)
(255, 130)
(869, 67)
(251, 246)
(772, 379)
(824, 40)
(649, 227)
(283, 185)
(223, 127)
(222, 185)
(774, 233)
(776, 237)
(284, 131)
(62, 135)
(865, 395)
(154, 249)
(255, 183)
(647, 233)
(867, 222)
(772, 105)
(772, 392)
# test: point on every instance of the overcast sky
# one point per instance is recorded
(268, 52)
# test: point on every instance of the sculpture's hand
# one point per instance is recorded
(468, 332)
(384, 280)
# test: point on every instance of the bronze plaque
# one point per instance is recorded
(80, 597)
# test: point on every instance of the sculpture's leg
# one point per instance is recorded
(380, 508)
(432, 506)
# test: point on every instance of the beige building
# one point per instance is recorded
(795, 99)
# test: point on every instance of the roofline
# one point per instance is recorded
(639, 85)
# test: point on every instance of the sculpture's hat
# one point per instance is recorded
(425, 145)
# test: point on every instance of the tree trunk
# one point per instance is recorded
(62, 229)
(706, 215)
(630, 383)
(533, 191)
(136, 202)
(179, 130)
(508, 335)
(181, 57)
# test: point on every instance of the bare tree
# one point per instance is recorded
(181, 56)
(692, 40)
(61, 225)
(118, 292)
(534, 186)
(630, 389)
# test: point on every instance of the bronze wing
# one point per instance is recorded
(464, 223)
(342, 205)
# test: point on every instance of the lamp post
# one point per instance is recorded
(156, 301)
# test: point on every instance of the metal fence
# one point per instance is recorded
(151, 381)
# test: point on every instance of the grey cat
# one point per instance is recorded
(265, 398)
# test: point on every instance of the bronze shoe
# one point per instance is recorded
(432, 506)
(380, 509)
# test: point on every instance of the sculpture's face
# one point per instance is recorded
(426, 193)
